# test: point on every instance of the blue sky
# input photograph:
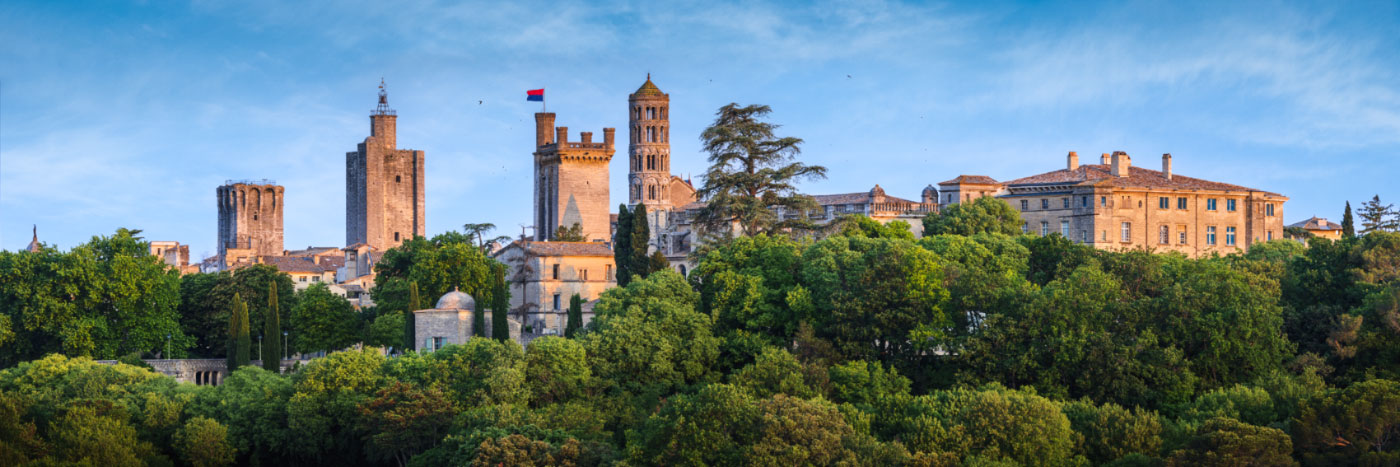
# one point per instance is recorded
(120, 114)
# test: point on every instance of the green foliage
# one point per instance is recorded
(569, 234)
(865, 384)
(775, 371)
(105, 298)
(480, 372)
(622, 246)
(252, 403)
(751, 284)
(271, 353)
(449, 261)
(253, 284)
(986, 215)
(857, 225)
(638, 264)
(323, 321)
(1108, 432)
(500, 306)
(403, 420)
(1362, 418)
(203, 442)
(1377, 217)
(239, 340)
(327, 394)
(415, 303)
(1348, 225)
(647, 337)
(751, 171)
(557, 370)
(992, 423)
(1225, 442)
(387, 329)
(575, 316)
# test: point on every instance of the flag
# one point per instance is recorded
(535, 95)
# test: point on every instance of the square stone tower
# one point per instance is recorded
(571, 181)
(250, 219)
(384, 203)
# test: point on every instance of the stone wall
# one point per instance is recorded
(201, 371)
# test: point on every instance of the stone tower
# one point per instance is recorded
(571, 181)
(649, 150)
(383, 186)
(250, 220)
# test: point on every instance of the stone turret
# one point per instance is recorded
(384, 185)
(571, 181)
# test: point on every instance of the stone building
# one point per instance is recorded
(649, 178)
(571, 181)
(543, 276)
(250, 221)
(450, 323)
(174, 254)
(1114, 205)
(1320, 227)
(384, 204)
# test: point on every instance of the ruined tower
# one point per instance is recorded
(250, 220)
(571, 181)
(383, 185)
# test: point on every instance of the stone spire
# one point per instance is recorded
(34, 246)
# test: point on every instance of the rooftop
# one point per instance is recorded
(562, 248)
(1317, 223)
(1101, 174)
(971, 180)
(649, 89)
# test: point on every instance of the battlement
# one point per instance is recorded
(250, 182)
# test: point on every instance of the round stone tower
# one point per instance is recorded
(649, 150)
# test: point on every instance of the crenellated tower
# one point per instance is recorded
(384, 204)
(571, 181)
(250, 220)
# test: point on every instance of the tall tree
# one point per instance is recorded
(323, 321)
(752, 171)
(569, 234)
(1348, 227)
(575, 316)
(657, 262)
(637, 263)
(477, 234)
(239, 339)
(415, 303)
(1377, 217)
(272, 334)
(983, 215)
(500, 306)
(231, 356)
(622, 246)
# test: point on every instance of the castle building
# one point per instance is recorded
(649, 178)
(1114, 205)
(571, 181)
(543, 276)
(250, 221)
(384, 204)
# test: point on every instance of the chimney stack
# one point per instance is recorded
(1073, 160)
(1167, 165)
(1103, 159)
(1121, 164)
(562, 135)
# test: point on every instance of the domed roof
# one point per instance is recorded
(930, 189)
(648, 89)
(34, 246)
(877, 191)
(456, 300)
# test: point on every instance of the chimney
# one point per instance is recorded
(1103, 159)
(1167, 165)
(1073, 160)
(608, 136)
(587, 137)
(1121, 164)
(562, 135)
(544, 125)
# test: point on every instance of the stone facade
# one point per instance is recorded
(201, 371)
(250, 220)
(1320, 227)
(450, 323)
(543, 277)
(384, 204)
(1116, 206)
(571, 181)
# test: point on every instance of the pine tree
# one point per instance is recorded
(657, 262)
(622, 246)
(751, 171)
(272, 333)
(500, 306)
(414, 304)
(639, 264)
(1348, 228)
(1377, 217)
(575, 316)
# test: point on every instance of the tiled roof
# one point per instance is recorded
(971, 180)
(1317, 223)
(299, 264)
(563, 248)
(648, 89)
(854, 198)
(311, 250)
(1101, 174)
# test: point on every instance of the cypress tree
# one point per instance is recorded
(231, 356)
(414, 304)
(575, 316)
(657, 262)
(479, 319)
(243, 343)
(500, 296)
(1348, 227)
(622, 245)
(638, 264)
(272, 334)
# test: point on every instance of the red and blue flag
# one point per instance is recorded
(535, 95)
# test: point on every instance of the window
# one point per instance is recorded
(1103, 201)
(1230, 236)
(1268, 235)
(255, 217)
(1164, 234)
(1230, 205)
(1064, 228)
(1181, 202)
(607, 273)
(1181, 234)
(1127, 231)
(396, 236)
(1105, 235)
(585, 275)
(398, 179)
(1025, 205)
(556, 271)
(1025, 227)
(1066, 200)
(1044, 228)
(1210, 235)
(437, 343)
(1164, 202)
(1044, 204)
(1210, 204)
(1084, 201)
(315, 278)
(1269, 209)
(1083, 236)
(301, 279)
(556, 302)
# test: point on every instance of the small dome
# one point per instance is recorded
(877, 191)
(930, 189)
(456, 300)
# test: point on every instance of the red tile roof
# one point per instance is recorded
(1317, 223)
(971, 180)
(1138, 177)
(562, 248)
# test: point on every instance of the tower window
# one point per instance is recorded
(397, 179)
(556, 271)
(255, 217)
(396, 236)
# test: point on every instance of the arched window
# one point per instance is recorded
(651, 192)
